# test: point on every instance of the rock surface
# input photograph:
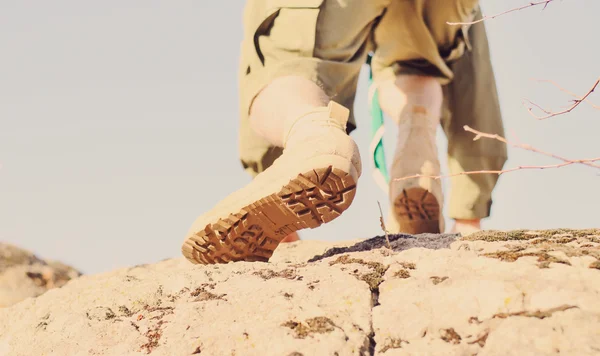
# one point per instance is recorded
(493, 293)
(24, 275)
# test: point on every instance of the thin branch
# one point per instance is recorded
(531, 4)
(498, 172)
(550, 114)
(478, 134)
(567, 91)
(389, 245)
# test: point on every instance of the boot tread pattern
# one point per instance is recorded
(253, 233)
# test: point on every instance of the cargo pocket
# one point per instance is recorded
(286, 27)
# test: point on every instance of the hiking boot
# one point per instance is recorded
(312, 183)
(416, 202)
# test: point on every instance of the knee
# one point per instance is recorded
(287, 96)
(397, 93)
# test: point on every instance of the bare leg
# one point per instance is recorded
(414, 103)
(282, 102)
(293, 237)
(466, 227)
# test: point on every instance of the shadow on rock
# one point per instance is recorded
(399, 242)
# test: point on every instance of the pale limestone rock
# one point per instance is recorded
(302, 251)
(536, 294)
(24, 275)
(175, 308)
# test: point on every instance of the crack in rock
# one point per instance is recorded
(374, 278)
(540, 314)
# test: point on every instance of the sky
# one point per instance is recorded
(118, 125)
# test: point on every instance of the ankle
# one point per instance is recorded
(466, 226)
(472, 222)
(293, 237)
(284, 99)
(315, 122)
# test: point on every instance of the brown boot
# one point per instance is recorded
(312, 183)
(416, 202)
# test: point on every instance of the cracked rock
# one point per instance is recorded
(176, 308)
(494, 294)
(521, 292)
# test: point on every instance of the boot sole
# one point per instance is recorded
(417, 211)
(252, 233)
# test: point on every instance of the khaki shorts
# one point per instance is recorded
(327, 42)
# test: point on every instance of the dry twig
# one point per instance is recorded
(576, 103)
(548, 114)
(530, 4)
(597, 107)
(389, 245)
(479, 134)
